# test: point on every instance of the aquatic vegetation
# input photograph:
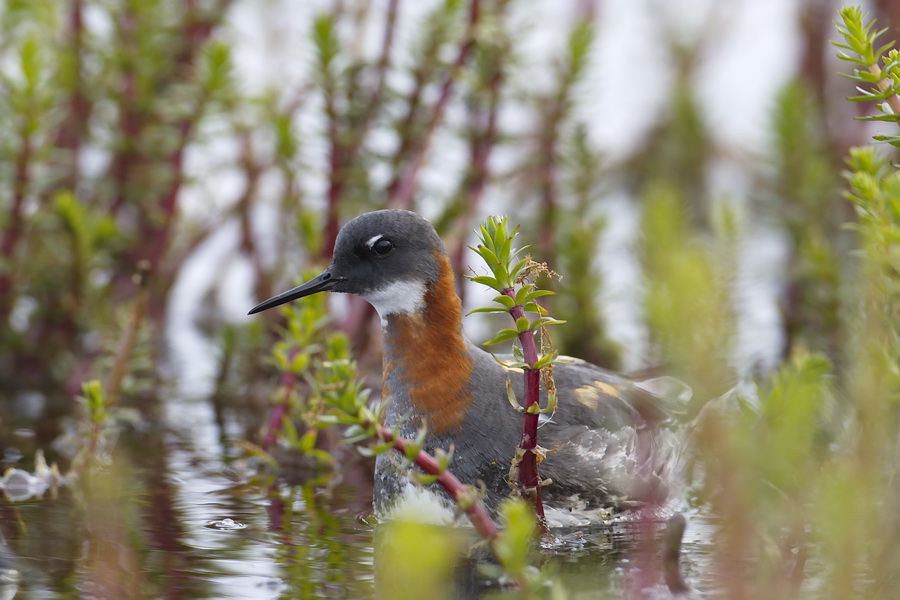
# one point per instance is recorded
(134, 144)
(511, 277)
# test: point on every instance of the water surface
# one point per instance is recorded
(176, 514)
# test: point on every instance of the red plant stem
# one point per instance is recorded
(528, 473)
(127, 342)
(20, 184)
(253, 171)
(547, 167)
(385, 61)
(15, 223)
(360, 313)
(554, 111)
(345, 144)
(476, 512)
(72, 129)
(420, 76)
(126, 166)
(197, 31)
(275, 424)
(401, 189)
(276, 509)
(69, 137)
(337, 171)
(480, 151)
(169, 201)
(130, 124)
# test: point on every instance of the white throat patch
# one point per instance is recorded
(400, 297)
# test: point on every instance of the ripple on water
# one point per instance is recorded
(226, 524)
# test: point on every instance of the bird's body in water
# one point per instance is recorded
(604, 455)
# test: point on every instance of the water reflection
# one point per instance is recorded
(9, 574)
(141, 527)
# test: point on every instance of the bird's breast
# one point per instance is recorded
(426, 360)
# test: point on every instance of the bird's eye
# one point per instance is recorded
(383, 247)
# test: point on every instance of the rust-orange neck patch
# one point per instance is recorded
(430, 352)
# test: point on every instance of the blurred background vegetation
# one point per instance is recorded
(156, 179)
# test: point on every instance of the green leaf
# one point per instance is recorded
(580, 41)
(487, 281)
(512, 364)
(893, 140)
(323, 457)
(31, 62)
(514, 272)
(487, 309)
(544, 321)
(217, 67)
(505, 301)
(325, 40)
(489, 257)
(94, 400)
(502, 336)
(545, 360)
(485, 237)
(413, 447)
(534, 307)
(289, 432)
(513, 545)
(511, 397)
(540, 293)
(308, 441)
(300, 363)
(356, 433)
(889, 118)
(444, 457)
(424, 479)
(382, 447)
(552, 402)
(522, 293)
(505, 251)
(880, 51)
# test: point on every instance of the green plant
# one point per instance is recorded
(72, 236)
(687, 302)
(804, 194)
(510, 277)
(880, 73)
(801, 469)
(320, 389)
(96, 428)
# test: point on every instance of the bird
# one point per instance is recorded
(604, 455)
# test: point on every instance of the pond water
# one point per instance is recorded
(175, 516)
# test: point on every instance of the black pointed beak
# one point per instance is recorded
(320, 283)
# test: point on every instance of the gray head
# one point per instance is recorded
(386, 257)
